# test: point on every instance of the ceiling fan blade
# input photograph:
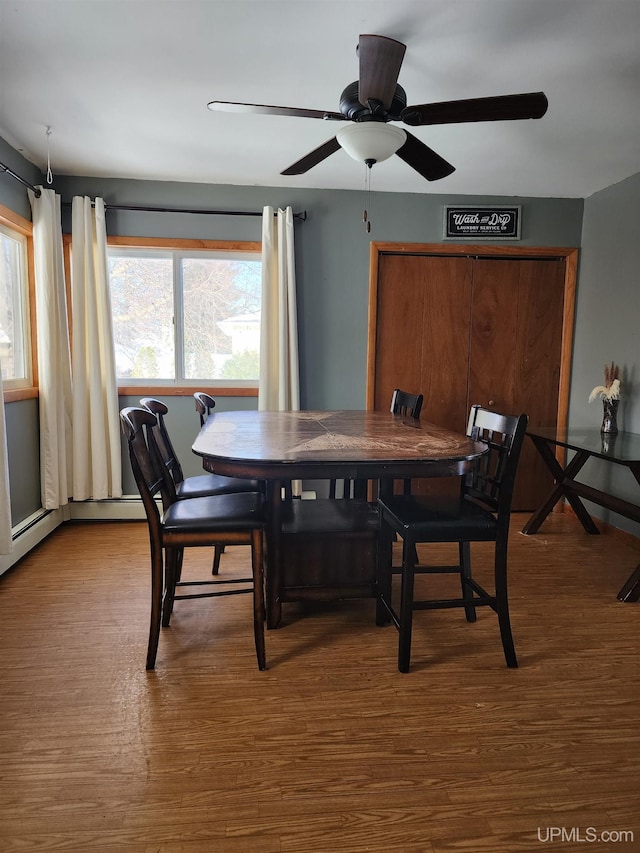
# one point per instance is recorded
(265, 109)
(380, 61)
(423, 159)
(500, 108)
(313, 157)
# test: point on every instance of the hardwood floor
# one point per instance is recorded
(331, 750)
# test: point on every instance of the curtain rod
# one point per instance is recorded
(302, 215)
(6, 169)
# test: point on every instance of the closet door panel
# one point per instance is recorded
(538, 357)
(445, 341)
(540, 317)
(445, 351)
(398, 350)
(422, 338)
(494, 330)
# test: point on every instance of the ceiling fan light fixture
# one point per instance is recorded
(371, 141)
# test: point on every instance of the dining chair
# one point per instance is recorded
(237, 518)
(409, 406)
(404, 403)
(198, 486)
(205, 404)
(479, 513)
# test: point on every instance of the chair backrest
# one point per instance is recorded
(403, 403)
(409, 406)
(492, 480)
(205, 404)
(151, 479)
(162, 441)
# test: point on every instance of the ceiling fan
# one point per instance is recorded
(376, 99)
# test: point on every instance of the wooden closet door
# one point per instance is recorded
(481, 328)
(515, 352)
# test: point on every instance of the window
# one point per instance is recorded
(15, 347)
(185, 316)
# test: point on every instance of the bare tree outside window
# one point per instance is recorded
(221, 315)
(186, 317)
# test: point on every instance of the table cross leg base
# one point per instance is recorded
(568, 488)
(631, 590)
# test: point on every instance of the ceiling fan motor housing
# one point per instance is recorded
(352, 109)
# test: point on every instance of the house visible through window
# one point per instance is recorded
(186, 316)
(15, 351)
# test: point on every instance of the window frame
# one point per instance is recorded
(27, 388)
(180, 388)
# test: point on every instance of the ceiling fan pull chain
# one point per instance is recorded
(367, 188)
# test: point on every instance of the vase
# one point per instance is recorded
(610, 418)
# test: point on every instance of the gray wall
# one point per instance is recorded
(12, 194)
(608, 326)
(332, 258)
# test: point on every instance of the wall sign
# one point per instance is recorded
(487, 223)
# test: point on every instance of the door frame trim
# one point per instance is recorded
(568, 254)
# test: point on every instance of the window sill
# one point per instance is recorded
(185, 391)
(12, 395)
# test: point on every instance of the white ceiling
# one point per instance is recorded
(124, 84)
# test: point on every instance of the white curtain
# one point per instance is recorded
(97, 463)
(5, 503)
(54, 357)
(279, 374)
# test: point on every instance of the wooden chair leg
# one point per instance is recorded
(464, 549)
(406, 605)
(384, 576)
(173, 561)
(259, 612)
(178, 573)
(502, 605)
(218, 551)
(156, 605)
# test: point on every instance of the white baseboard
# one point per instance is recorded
(38, 526)
(126, 508)
(30, 533)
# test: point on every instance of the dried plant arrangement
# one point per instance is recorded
(611, 388)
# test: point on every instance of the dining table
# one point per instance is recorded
(279, 447)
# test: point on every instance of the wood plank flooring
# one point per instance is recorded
(331, 750)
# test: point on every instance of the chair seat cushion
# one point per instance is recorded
(329, 516)
(238, 511)
(214, 484)
(430, 518)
